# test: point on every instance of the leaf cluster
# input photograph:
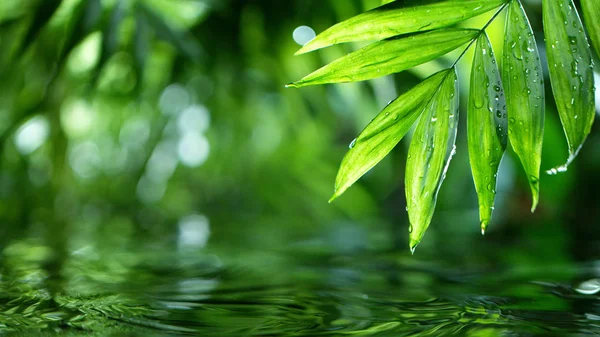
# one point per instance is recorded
(506, 102)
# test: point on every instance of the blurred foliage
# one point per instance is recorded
(128, 116)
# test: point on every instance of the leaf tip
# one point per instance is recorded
(336, 193)
(535, 202)
(413, 246)
(534, 183)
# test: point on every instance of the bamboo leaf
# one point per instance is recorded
(487, 126)
(390, 56)
(523, 81)
(385, 131)
(571, 73)
(396, 18)
(429, 155)
(590, 9)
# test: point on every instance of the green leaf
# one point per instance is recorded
(487, 126)
(385, 131)
(571, 72)
(396, 19)
(525, 99)
(390, 56)
(591, 8)
(429, 155)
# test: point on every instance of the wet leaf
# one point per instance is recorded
(390, 56)
(523, 83)
(429, 155)
(385, 131)
(590, 9)
(487, 126)
(397, 18)
(571, 73)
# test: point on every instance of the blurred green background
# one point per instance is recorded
(164, 125)
(133, 116)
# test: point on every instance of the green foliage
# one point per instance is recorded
(506, 104)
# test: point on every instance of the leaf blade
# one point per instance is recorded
(389, 20)
(590, 9)
(487, 126)
(382, 134)
(429, 155)
(525, 98)
(388, 57)
(571, 73)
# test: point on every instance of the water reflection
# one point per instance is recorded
(151, 289)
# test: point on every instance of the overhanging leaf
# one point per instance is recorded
(390, 56)
(429, 155)
(385, 131)
(591, 10)
(486, 126)
(396, 18)
(523, 81)
(571, 72)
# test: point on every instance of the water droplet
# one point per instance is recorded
(410, 228)
(589, 287)
(572, 40)
(352, 144)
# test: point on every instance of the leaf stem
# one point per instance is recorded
(481, 31)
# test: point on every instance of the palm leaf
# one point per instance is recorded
(571, 73)
(394, 19)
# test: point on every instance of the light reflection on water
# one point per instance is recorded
(294, 292)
